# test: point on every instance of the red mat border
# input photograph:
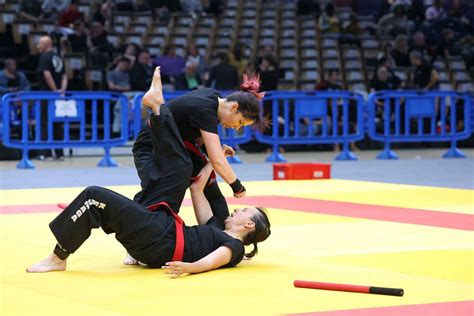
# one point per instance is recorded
(357, 210)
(461, 308)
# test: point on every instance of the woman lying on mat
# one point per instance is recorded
(155, 235)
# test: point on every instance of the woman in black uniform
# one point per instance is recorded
(159, 238)
(197, 116)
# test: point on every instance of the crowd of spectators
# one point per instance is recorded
(434, 29)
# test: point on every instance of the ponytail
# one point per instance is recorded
(251, 83)
(248, 99)
(260, 233)
(253, 252)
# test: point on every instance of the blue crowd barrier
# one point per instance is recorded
(227, 136)
(80, 109)
(319, 117)
(414, 116)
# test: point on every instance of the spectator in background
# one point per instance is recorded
(466, 47)
(400, 52)
(193, 56)
(328, 20)
(223, 76)
(419, 44)
(269, 73)
(265, 51)
(383, 80)
(423, 76)
(30, 10)
(269, 78)
(394, 23)
(104, 14)
(237, 58)
(171, 64)
(386, 53)
(447, 46)
(190, 79)
(163, 14)
(388, 63)
(352, 31)
(12, 80)
(435, 12)
(131, 52)
(142, 72)
(53, 78)
(119, 80)
(70, 15)
(76, 42)
(331, 83)
(101, 48)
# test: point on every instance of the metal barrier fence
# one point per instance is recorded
(314, 118)
(414, 116)
(46, 119)
(31, 118)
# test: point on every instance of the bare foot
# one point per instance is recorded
(153, 98)
(51, 263)
(130, 261)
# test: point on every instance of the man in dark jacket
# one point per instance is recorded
(223, 76)
(142, 72)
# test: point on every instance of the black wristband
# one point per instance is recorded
(236, 186)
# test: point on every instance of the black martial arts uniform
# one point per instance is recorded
(149, 237)
(192, 112)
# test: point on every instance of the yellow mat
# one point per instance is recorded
(432, 264)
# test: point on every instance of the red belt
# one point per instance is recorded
(179, 247)
(194, 149)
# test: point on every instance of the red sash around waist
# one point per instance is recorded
(195, 149)
(179, 247)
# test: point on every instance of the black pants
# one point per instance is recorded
(162, 162)
(148, 236)
(58, 132)
(150, 159)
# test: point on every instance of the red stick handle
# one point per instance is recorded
(331, 286)
(348, 288)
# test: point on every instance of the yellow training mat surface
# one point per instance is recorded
(411, 237)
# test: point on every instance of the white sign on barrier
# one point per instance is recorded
(65, 108)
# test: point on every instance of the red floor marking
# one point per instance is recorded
(464, 308)
(27, 209)
(375, 212)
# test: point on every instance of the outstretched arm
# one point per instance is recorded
(201, 205)
(219, 161)
(219, 257)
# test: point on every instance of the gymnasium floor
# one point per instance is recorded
(415, 237)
